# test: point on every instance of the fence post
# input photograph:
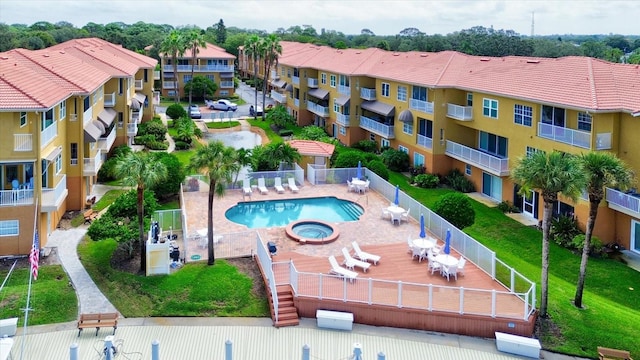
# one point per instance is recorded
(305, 352)
(155, 350)
(493, 303)
(399, 294)
(381, 356)
(228, 350)
(461, 300)
(73, 351)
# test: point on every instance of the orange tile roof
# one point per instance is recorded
(312, 148)
(209, 52)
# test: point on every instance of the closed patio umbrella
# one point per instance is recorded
(423, 234)
(447, 243)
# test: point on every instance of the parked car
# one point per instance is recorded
(194, 112)
(224, 105)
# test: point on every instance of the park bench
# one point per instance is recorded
(613, 354)
(89, 216)
(98, 321)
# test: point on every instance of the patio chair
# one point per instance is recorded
(434, 266)
(262, 187)
(364, 256)
(246, 188)
(461, 264)
(278, 185)
(292, 185)
(420, 253)
(350, 262)
(449, 271)
(366, 185)
(405, 216)
(340, 271)
(350, 187)
(410, 243)
(385, 213)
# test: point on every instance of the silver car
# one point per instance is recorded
(224, 105)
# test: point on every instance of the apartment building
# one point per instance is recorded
(62, 110)
(212, 62)
(476, 114)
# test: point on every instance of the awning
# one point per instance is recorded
(140, 97)
(226, 75)
(107, 116)
(54, 154)
(279, 83)
(289, 88)
(343, 100)
(379, 107)
(319, 93)
(100, 126)
(406, 117)
(91, 132)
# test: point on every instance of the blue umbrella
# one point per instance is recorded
(359, 171)
(422, 232)
(397, 199)
(447, 243)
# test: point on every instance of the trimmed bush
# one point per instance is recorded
(348, 159)
(176, 111)
(285, 132)
(395, 160)
(507, 207)
(455, 208)
(378, 168)
(596, 248)
(366, 146)
(157, 145)
(126, 205)
(181, 145)
(459, 182)
(427, 181)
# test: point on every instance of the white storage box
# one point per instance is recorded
(518, 345)
(334, 319)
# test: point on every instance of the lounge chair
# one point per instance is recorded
(350, 262)
(364, 256)
(278, 185)
(262, 187)
(410, 243)
(340, 271)
(292, 185)
(246, 188)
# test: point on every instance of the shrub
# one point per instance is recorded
(143, 139)
(348, 159)
(176, 111)
(171, 185)
(417, 170)
(285, 132)
(427, 181)
(126, 205)
(123, 230)
(153, 127)
(395, 160)
(181, 145)
(459, 182)
(563, 230)
(596, 248)
(378, 168)
(106, 170)
(366, 146)
(312, 132)
(507, 207)
(157, 145)
(455, 208)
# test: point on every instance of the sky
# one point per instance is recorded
(382, 17)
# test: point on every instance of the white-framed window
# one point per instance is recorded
(404, 149)
(343, 131)
(402, 93)
(467, 169)
(493, 144)
(418, 159)
(336, 107)
(332, 81)
(73, 154)
(584, 121)
(186, 78)
(9, 227)
(63, 110)
(490, 108)
(523, 115)
(385, 89)
(323, 79)
(58, 163)
(531, 150)
(282, 72)
(224, 92)
(553, 115)
(23, 119)
(469, 99)
(384, 142)
(407, 128)
(47, 119)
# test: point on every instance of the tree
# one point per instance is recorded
(171, 185)
(138, 169)
(602, 169)
(252, 48)
(194, 41)
(243, 158)
(176, 111)
(216, 161)
(269, 157)
(221, 33)
(173, 46)
(271, 49)
(551, 174)
(201, 86)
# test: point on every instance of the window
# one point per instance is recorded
(186, 78)
(63, 110)
(522, 114)
(73, 151)
(469, 99)
(47, 119)
(323, 79)
(23, 119)
(336, 107)
(146, 75)
(120, 120)
(87, 103)
(282, 71)
(490, 108)
(584, 121)
(402, 93)
(224, 92)
(385, 89)
(211, 77)
(531, 150)
(407, 128)
(493, 144)
(9, 227)
(296, 72)
(343, 81)
(384, 143)
(120, 85)
(419, 93)
(467, 169)
(553, 115)
(343, 131)
(332, 80)
(372, 137)
(404, 149)
(418, 159)
(58, 162)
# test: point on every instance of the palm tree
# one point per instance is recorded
(271, 50)
(252, 48)
(551, 174)
(173, 46)
(194, 41)
(602, 169)
(140, 170)
(218, 162)
(243, 158)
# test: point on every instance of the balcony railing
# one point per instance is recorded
(281, 98)
(105, 143)
(110, 99)
(226, 84)
(565, 135)
(136, 116)
(169, 85)
(200, 68)
(624, 201)
(376, 127)
(275, 75)
(312, 83)
(156, 74)
(295, 80)
(92, 165)
(53, 197)
(342, 119)
(16, 197)
(367, 94)
(344, 90)
(490, 163)
(47, 135)
(317, 109)
(425, 142)
(420, 105)
(132, 129)
(87, 116)
(22, 142)
(138, 84)
(462, 113)
(156, 97)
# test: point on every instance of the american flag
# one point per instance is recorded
(34, 256)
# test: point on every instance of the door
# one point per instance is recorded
(492, 186)
(334, 130)
(635, 236)
(529, 204)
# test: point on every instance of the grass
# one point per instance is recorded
(194, 290)
(222, 124)
(170, 205)
(106, 200)
(184, 156)
(266, 126)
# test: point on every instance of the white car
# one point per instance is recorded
(194, 112)
(224, 105)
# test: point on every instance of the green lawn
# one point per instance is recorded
(223, 124)
(100, 205)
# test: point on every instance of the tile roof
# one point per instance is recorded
(210, 51)
(312, 148)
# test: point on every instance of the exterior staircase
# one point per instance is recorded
(287, 312)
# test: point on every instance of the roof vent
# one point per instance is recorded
(45, 55)
(61, 52)
(484, 59)
(533, 61)
(4, 58)
(358, 52)
(396, 54)
(424, 55)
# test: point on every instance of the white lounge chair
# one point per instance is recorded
(336, 269)
(292, 185)
(410, 243)
(385, 213)
(366, 185)
(350, 262)
(262, 187)
(364, 256)
(278, 185)
(246, 188)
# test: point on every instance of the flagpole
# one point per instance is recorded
(27, 309)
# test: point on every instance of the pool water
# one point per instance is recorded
(312, 230)
(271, 213)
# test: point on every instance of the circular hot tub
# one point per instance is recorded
(312, 232)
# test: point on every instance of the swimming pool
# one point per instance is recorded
(270, 213)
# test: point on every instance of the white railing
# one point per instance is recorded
(138, 84)
(200, 68)
(377, 127)
(342, 119)
(491, 163)
(16, 197)
(317, 109)
(156, 97)
(295, 80)
(463, 113)
(87, 116)
(344, 90)
(110, 100)
(296, 102)
(169, 85)
(281, 98)
(132, 129)
(47, 135)
(274, 75)
(22, 142)
(156, 74)
(368, 94)
(267, 267)
(105, 143)
(623, 200)
(424, 141)
(312, 83)
(53, 197)
(92, 165)
(226, 84)
(421, 105)
(565, 135)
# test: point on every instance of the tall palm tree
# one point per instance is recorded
(551, 174)
(173, 45)
(140, 170)
(243, 158)
(271, 51)
(252, 48)
(602, 169)
(218, 162)
(194, 40)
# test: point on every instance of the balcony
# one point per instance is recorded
(276, 96)
(342, 119)
(312, 83)
(47, 135)
(425, 142)
(376, 127)
(52, 198)
(16, 197)
(275, 75)
(462, 113)
(135, 116)
(156, 74)
(156, 97)
(22, 142)
(226, 84)
(344, 90)
(92, 165)
(565, 135)
(200, 68)
(367, 94)
(138, 84)
(105, 143)
(489, 163)
(110, 99)
(420, 105)
(628, 203)
(317, 109)
(87, 116)
(169, 85)
(132, 129)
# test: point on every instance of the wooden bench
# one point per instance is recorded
(613, 354)
(89, 216)
(98, 321)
